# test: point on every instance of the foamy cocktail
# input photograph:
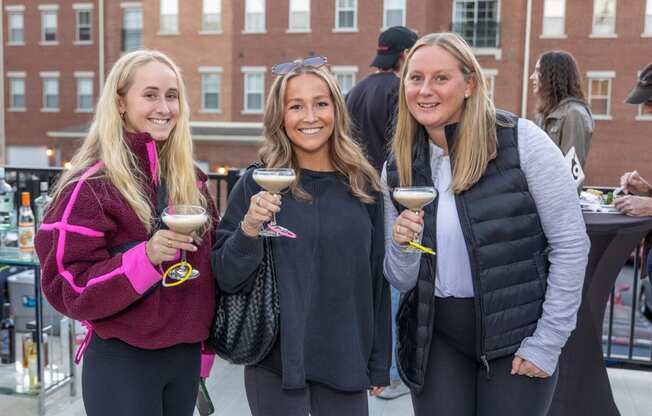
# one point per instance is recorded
(274, 180)
(183, 219)
(415, 198)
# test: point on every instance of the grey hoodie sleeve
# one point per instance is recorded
(555, 196)
(401, 268)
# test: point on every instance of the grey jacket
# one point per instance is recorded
(569, 124)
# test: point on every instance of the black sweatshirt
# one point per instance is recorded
(335, 304)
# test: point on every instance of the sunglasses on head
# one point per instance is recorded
(287, 67)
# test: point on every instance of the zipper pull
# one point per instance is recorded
(483, 358)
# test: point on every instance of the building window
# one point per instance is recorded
(169, 17)
(50, 91)
(132, 32)
(254, 89)
(346, 14)
(299, 20)
(600, 93)
(211, 81)
(394, 13)
(16, 32)
(554, 12)
(84, 91)
(345, 76)
(48, 23)
(16, 91)
(604, 18)
(83, 18)
(254, 16)
(490, 81)
(477, 22)
(212, 16)
(648, 18)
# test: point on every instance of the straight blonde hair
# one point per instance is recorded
(106, 142)
(475, 145)
(345, 154)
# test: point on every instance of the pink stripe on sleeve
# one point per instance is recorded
(153, 160)
(139, 270)
(77, 229)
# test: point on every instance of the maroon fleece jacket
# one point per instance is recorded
(120, 295)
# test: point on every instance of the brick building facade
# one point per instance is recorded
(227, 48)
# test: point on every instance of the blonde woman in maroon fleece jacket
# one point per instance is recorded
(103, 249)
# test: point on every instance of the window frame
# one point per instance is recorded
(338, 25)
(484, 49)
(613, 33)
(490, 73)
(257, 30)
(403, 13)
(13, 11)
(550, 35)
(647, 22)
(79, 77)
(126, 9)
(17, 76)
(600, 76)
(345, 70)
(45, 10)
(206, 71)
(249, 71)
(173, 29)
(204, 29)
(50, 76)
(290, 20)
(79, 9)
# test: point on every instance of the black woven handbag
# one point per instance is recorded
(246, 323)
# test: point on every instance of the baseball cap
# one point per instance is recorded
(643, 89)
(391, 43)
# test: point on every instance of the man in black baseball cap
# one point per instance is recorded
(392, 44)
(642, 91)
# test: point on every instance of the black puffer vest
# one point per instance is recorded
(507, 251)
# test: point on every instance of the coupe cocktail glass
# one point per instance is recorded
(183, 219)
(415, 198)
(274, 180)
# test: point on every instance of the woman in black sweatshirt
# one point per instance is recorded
(335, 340)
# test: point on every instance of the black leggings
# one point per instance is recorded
(457, 385)
(267, 398)
(118, 379)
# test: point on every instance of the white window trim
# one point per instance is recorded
(210, 70)
(48, 7)
(385, 14)
(491, 73)
(309, 29)
(594, 35)
(16, 75)
(552, 36)
(337, 29)
(345, 70)
(647, 32)
(131, 5)
(83, 7)
(50, 74)
(245, 31)
(15, 10)
(84, 75)
(610, 75)
(497, 53)
(252, 70)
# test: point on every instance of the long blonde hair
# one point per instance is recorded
(475, 145)
(106, 142)
(345, 154)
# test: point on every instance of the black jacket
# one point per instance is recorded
(507, 253)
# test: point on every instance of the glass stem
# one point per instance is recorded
(417, 238)
(183, 256)
(273, 216)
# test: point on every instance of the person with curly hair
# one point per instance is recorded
(562, 110)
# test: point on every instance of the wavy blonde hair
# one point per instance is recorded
(345, 154)
(475, 145)
(106, 142)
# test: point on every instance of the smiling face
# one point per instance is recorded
(535, 78)
(435, 87)
(309, 117)
(151, 105)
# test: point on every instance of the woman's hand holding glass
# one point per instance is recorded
(163, 246)
(407, 227)
(262, 207)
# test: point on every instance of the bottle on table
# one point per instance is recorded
(7, 336)
(7, 206)
(41, 203)
(26, 225)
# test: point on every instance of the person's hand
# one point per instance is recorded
(634, 206)
(407, 226)
(633, 183)
(261, 207)
(375, 391)
(523, 367)
(164, 244)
